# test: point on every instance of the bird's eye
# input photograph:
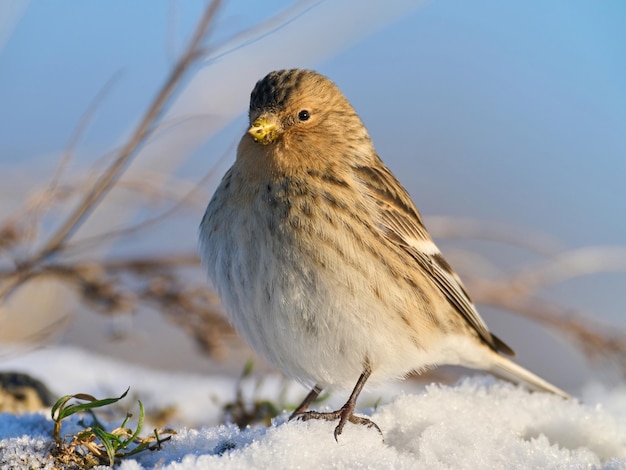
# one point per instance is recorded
(304, 115)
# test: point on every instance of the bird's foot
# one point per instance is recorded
(344, 414)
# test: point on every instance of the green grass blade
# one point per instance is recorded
(139, 424)
(107, 442)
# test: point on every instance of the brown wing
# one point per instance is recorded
(400, 222)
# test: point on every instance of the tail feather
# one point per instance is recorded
(507, 369)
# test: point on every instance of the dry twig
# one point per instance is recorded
(106, 180)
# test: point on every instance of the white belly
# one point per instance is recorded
(318, 325)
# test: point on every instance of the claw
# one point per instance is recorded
(343, 415)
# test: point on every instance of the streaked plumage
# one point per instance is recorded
(322, 260)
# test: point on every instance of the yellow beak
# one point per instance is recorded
(264, 130)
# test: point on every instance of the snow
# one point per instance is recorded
(479, 422)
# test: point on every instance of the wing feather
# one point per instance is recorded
(401, 223)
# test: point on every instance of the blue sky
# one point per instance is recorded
(508, 111)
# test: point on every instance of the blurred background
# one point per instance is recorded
(506, 122)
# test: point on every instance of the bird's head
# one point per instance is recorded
(301, 107)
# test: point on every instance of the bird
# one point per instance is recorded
(322, 261)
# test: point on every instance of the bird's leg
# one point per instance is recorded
(310, 398)
(344, 414)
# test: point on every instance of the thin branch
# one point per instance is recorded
(590, 336)
(105, 182)
(462, 227)
(80, 130)
(94, 240)
(145, 127)
(146, 263)
(569, 265)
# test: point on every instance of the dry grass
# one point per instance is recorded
(520, 290)
(113, 286)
